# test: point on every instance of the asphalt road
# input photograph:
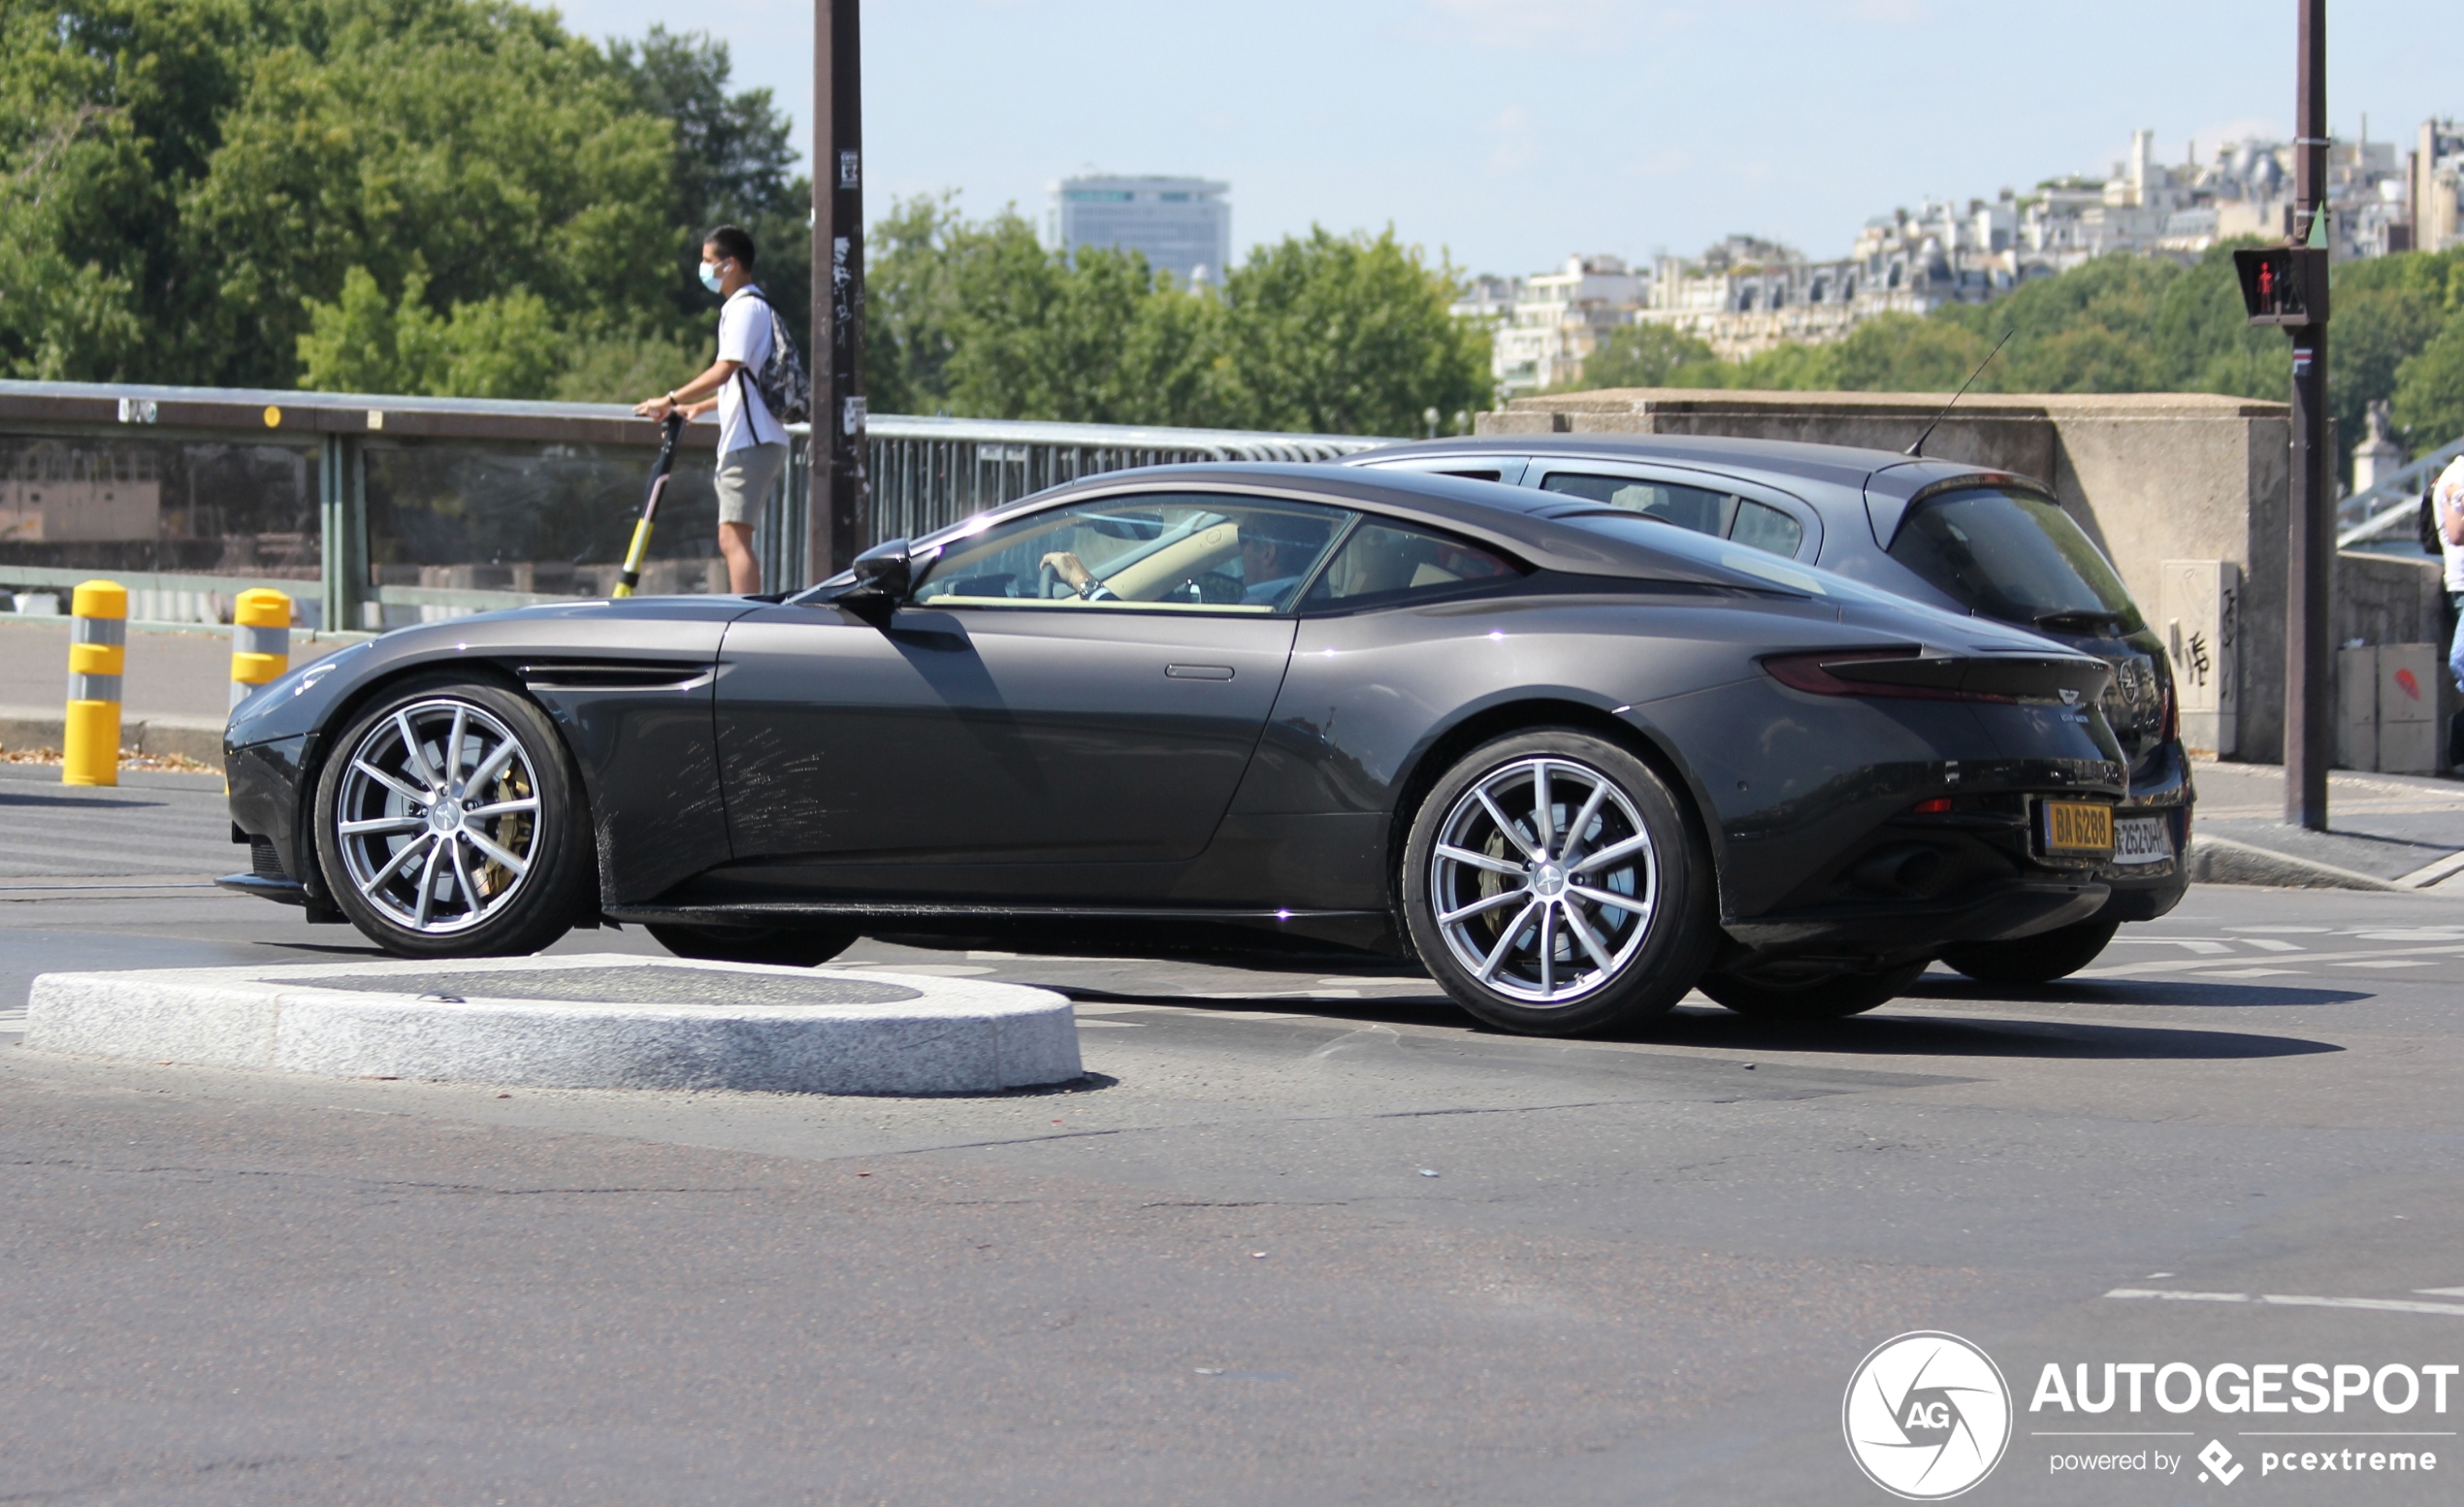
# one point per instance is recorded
(1299, 1238)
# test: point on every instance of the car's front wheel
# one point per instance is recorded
(1552, 886)
(449, 824)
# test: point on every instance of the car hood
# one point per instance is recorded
(663, 631)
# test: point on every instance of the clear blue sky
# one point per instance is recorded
(1512, 132)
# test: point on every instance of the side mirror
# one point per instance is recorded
(885, 571)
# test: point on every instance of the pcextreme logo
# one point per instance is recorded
(1927, 1415)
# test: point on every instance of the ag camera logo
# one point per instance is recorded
(1927, 1415)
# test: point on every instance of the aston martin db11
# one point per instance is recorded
(1570, 759)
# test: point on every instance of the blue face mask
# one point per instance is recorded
(710, 277)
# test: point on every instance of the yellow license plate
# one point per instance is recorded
(2078, 827)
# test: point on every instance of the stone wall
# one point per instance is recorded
(2396, 598)
(2150, 476)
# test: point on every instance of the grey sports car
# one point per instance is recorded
(1570, 759)
(1955, 536)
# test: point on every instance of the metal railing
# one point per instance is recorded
(2388, 508)
(374, 509)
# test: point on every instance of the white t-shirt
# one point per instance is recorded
(2451, 505)
(744, 335)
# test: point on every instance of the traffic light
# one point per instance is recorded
(2283, 284)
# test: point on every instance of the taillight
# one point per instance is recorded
(1889, 672)
(2171, 721)
(1939, 805)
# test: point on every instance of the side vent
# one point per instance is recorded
(614, 675)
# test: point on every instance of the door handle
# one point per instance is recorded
(1197, 671)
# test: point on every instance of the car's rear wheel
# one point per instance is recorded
(1786, 992)
(2035, 960)
(800, 947)
(449, 824)
(1552, 885)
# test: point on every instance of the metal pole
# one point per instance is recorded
(2310, 556)
(835, 521)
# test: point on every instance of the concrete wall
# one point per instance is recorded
(2396, 598)
(2150, 476)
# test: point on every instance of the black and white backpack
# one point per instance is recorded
(785, 389)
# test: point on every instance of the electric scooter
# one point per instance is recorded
(669, 429)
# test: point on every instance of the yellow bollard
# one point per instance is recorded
(98, 653)
(260, 640)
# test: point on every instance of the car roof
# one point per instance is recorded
(1519, 520)
(1781, 463)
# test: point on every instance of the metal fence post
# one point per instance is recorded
(343, 513)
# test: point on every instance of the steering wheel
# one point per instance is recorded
(1045, 578)
(1215, 587)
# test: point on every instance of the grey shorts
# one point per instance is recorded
(746, 477)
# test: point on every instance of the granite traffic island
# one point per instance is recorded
(592, 1021)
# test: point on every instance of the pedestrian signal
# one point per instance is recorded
(2283, 284)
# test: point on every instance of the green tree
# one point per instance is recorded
(1905, 354)
(1346, 335)
(733, 163)
(2429, 388)
(186, 187)
(1645, 355)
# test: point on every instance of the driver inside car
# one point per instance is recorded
(1269, 564)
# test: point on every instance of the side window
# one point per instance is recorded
(1154, 552)
(1385, 561)
(1766, 528)
(1720, 514)
(1687, 506)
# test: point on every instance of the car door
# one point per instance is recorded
(1703, 501)
(1006, 713)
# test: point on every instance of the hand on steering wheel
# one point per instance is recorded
(1062, 565)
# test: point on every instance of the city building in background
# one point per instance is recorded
(1545, 325)
(2434, 184)
(1181, 225)
(1746, 295)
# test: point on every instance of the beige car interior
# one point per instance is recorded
(1206, 550)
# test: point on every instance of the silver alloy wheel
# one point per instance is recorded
(438, 819)
(1543, 880)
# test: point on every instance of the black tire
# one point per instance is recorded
(1776, 992)
(796, 946)
(1500, 958)
(2035, 960)
(532, 810)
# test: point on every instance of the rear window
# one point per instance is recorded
(2012, 555)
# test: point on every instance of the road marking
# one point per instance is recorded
(2177, 965)
(2298, 1301)
(2384, 963)
(2186, 944)
(2271, 945)
(2246, 973)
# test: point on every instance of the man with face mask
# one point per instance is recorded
(752, 443)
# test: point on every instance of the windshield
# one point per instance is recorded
(2016, 556)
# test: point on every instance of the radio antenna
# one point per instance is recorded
(1918, 448)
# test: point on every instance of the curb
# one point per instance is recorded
(191, 738)
(2223, 861)
(580, 1020)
